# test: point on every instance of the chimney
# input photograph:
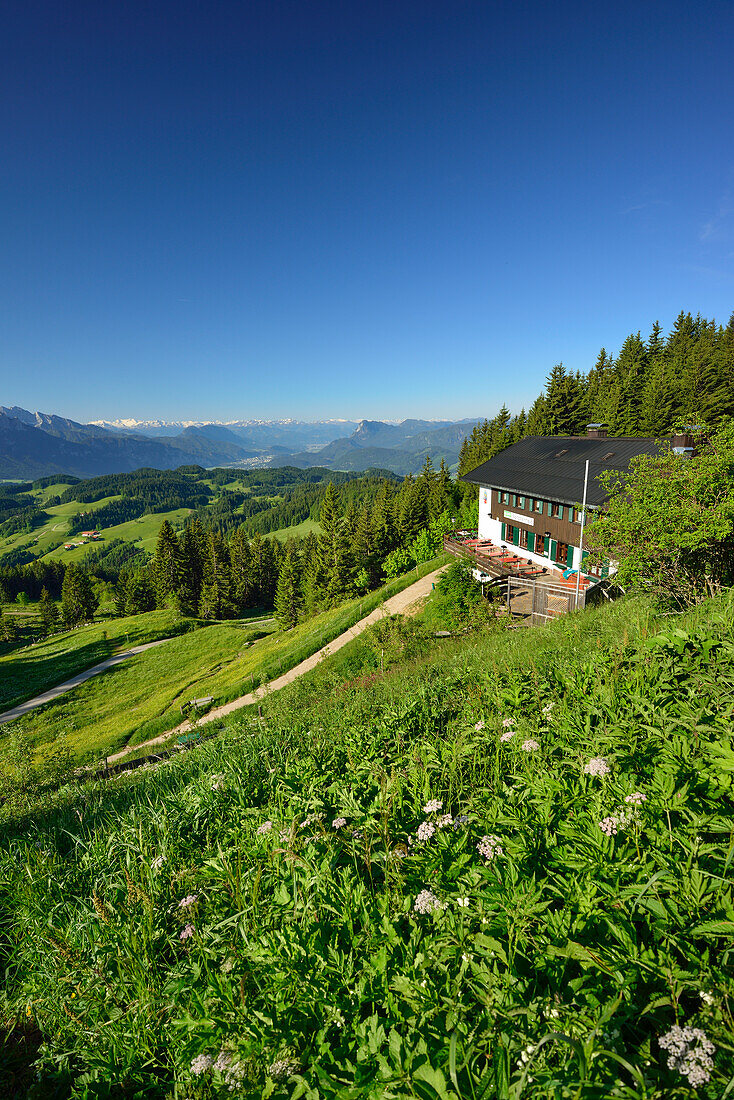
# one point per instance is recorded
(683, 443)
(596, 431)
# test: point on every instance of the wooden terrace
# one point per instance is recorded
(536, 592)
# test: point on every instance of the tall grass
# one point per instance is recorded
(279, 910)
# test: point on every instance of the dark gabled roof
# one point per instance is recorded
(552, 467)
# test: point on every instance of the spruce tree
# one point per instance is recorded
(167, 565)
(192, 568)
(139, 592)
(239, 555)
(47, 612)
(214, 602)
(440, 498)
(78, 602)
(8, 629)
(383, 527)
(413, 510)
(288, 597)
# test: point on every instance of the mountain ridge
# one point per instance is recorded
(40, 444)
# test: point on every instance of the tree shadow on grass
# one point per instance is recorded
(32, 674)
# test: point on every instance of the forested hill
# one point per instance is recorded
(652, 383)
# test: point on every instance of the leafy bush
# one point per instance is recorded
(459, 601)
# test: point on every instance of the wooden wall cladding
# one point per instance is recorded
(563, 530)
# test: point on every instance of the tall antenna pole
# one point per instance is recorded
(581, 537)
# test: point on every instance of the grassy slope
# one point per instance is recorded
(143, 532)
(298, 530)
(27, 672)
(54, 530)
(570, 954)
(141, 697)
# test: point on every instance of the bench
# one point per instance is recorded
(197, 703)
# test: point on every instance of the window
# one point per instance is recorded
(563, 553)
(521, 502)
(563, 452)
(554, 510)
(609, 454)
(539, 507)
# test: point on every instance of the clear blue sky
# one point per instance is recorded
(270, 208)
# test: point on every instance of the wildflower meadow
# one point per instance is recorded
(471, 879)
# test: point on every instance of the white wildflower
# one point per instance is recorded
(433, 806)
(530, 745)
(338, 822)
(444, 821)
(187, 932)
(507, 736)
(463, 903)
(264, 828)
(690, 1052)
(636, 798)
(283, 1069)
(597, 766)
(426, 902)
(479, 726)
(547, 709)
(706, 997)
(187, 902)
(424, 832)
(223, 1062)
(234, 1075)
(508, 722)
(610, 825)
(489, 847)
(201, 1063)
(158, 862)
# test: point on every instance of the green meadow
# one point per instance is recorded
(141, 697)
(143, 532)
(501, 868)
(298, 530)
(29, 671)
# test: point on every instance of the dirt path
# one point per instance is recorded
(61, 689)
(393, 606)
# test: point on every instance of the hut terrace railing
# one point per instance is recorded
(533, 591)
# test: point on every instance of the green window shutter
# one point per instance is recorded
(560, 511)
(531, 542)
(502, 531)
(553, 548)
(516, 536)
(569, 557)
